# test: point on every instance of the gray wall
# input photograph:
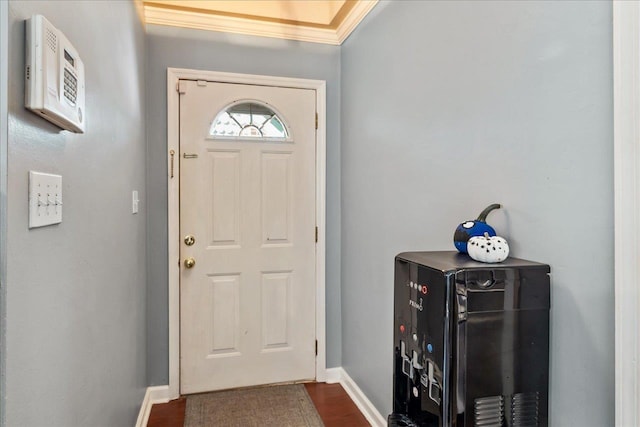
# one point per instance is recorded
(450, 106)
(182, 48)
(75, 339)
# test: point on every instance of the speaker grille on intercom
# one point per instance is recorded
(52, 40)
(489, 411)
(524, 409)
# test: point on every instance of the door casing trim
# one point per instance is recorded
(173, 204)
(626, 130)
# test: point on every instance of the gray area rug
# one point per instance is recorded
(282, 405)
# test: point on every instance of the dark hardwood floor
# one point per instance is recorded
(169, 414)
(333, 404)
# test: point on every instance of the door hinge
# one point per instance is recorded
(181, 87)
(172, 153)
(316, 347)
(316, 234)
(316, 121)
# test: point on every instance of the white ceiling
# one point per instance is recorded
(320, 21)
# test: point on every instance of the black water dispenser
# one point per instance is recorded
(471, 342)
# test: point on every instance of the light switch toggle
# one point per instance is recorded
(41, 201)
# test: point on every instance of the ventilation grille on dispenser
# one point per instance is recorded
(489, 411)
(524, 409)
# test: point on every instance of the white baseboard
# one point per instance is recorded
(157, 394)
(339, 375)
(333, 375)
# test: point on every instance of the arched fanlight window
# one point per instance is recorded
(248, 120)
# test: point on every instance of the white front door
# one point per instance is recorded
(247, 305)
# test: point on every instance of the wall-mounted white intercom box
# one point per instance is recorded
(54, 76)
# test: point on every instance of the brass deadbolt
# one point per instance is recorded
(189, 240)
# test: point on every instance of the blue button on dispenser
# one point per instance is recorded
(430, 348)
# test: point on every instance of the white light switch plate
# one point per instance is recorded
(45, 199)
(134, 201)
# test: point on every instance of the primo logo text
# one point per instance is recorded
(415, 304)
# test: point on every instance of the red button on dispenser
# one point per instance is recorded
(402, 329)
(424, 289)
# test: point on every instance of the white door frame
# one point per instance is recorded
(173, 185)
(626, 99)
(4, 144)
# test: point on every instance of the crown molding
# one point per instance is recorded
(238, 25)
(353, 18)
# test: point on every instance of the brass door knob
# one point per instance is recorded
(189, 262)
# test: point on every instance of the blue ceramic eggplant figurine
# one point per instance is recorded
(477, 227)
